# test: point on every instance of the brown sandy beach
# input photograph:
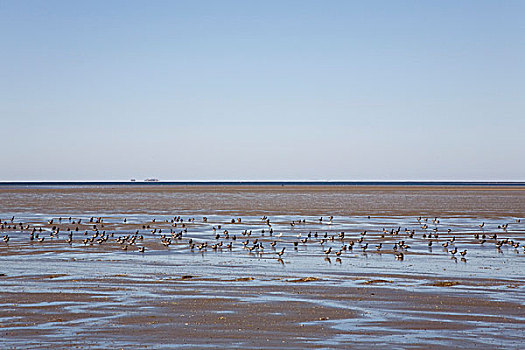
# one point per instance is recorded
(257, 200)
(59, 295)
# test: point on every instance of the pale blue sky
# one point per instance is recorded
(248, 90)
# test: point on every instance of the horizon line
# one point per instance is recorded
(144, 182)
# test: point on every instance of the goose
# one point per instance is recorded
(280, 253)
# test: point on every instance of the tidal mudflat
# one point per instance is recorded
(262, 267)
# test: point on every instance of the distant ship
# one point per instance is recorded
(151, 180)
(132, 180)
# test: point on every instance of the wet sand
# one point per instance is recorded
(97, 296)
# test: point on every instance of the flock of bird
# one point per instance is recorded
(262, 237)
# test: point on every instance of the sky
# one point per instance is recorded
(262, 90)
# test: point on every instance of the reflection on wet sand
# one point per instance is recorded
(302, 277)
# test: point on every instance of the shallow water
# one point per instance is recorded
(60, 294)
